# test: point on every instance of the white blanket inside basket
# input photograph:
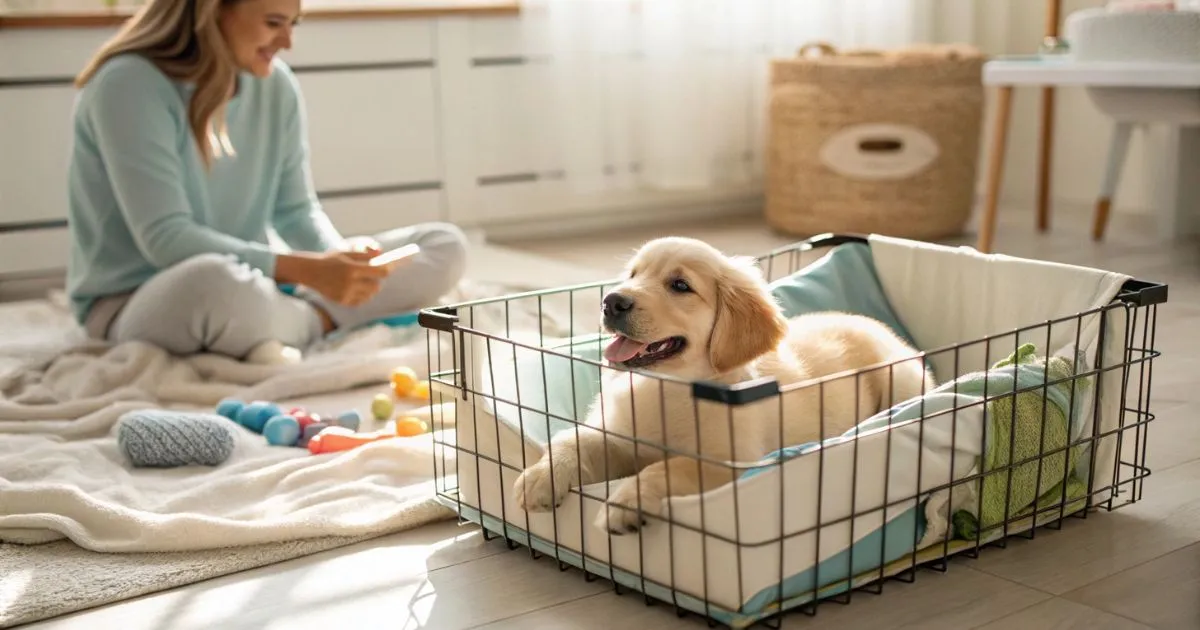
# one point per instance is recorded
(948, 296)
(944, 296)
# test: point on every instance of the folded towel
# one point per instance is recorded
(1036, 432)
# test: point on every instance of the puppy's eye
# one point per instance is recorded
(679, 285)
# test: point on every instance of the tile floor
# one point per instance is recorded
(1135, 568)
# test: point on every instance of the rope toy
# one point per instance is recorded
(158, 438)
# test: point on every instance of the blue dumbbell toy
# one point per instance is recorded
(278, 427)
(349, 419)
(282, 430)
(253, 416)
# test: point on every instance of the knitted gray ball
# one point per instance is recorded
(165, 439)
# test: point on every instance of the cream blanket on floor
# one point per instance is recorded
(62, 474)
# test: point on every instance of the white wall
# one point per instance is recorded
(436, 126)
(410, 120)
(1081, 133)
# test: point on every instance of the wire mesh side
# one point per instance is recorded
(725, 543)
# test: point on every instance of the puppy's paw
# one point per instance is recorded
(534, 492)
(620, 514)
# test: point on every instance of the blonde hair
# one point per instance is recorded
(182, 38)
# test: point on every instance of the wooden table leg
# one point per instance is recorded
(1046, 141)
(1045, 150)
(1118, 146)
(995, 176)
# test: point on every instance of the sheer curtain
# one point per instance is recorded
(672, 94)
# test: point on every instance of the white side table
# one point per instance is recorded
(1129, 93)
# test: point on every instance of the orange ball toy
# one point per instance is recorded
(409, 426)
(404, 381)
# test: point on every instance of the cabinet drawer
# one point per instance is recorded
(499, 203)
(340, 42)
(505, 120)
(500, 37)
(35, 135)
(33, 251)
(48, 53)
(370, 128)
(371, 214)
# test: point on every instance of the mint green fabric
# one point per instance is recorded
(842, 280)
(140, 198)
(550, 389)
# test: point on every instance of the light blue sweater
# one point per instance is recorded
(140, 198)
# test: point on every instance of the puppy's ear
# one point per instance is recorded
(749, 321)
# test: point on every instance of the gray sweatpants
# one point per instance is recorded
(215, 303)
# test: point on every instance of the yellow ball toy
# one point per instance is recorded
(382, 407)
(404, 381)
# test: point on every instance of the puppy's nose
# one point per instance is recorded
(616, 304)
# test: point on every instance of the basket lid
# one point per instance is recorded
(916, 64)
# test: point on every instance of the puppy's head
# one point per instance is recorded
(687, 310)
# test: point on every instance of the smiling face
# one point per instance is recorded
(256, 30)
(687, 310)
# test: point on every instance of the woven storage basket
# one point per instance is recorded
(874, 141)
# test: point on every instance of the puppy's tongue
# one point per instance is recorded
(622, 349)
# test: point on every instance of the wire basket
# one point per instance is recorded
(948, 472)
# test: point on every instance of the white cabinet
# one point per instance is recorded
(33, 251)
(35, 142)
(409, 120)
(371, 128)
(48, 53)
(360, 42)
(370, 214)
(504, 121)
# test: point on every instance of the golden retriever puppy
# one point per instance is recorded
(686, 312)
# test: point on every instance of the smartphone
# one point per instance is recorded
(400, 253)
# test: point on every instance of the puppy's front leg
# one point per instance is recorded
(572, 460)
(672, 477)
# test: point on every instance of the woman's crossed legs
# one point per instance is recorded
(214, 303)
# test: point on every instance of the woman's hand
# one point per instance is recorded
(362, 244)
(342, 277)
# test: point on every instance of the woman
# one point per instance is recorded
(190, 147)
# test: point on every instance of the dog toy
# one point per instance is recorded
(282, 430)
(405, 384)
(295, 427)
(305, 418)
(336, 439)
(253, 415)
(229, 408)
(409, 426)
(310, 431)
(350, 419)
(381, 407)
(404, 381)
(157, 438)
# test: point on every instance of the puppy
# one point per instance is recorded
(686, 312)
